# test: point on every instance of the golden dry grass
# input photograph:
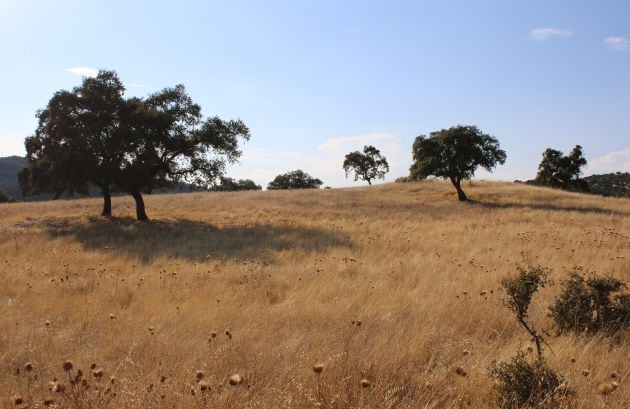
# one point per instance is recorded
(287, 273)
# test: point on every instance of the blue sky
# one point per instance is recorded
(317, 79)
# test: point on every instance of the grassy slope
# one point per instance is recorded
(287, 273)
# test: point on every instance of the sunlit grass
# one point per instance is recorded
(393, 290)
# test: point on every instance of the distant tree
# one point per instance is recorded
(229, 185)
(367, 165)
(558, 170)
(296, 179)
(455, 154)
(4, 197)
(92, 135)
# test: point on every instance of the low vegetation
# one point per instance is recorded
(381, 297)
(610, 184)
(297, 179)
(592, 304)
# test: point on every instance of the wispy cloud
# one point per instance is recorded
(83, 71)
(618, 161)
(542, 34)
(617, 43)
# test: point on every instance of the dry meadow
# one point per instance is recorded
(396, 285)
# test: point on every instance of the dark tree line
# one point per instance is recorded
(227, 184)
(94, 136)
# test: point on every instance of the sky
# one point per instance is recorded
(316, 79)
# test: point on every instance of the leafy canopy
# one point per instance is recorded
(558, 170)
(296, 179)
(455, 154)
(93, 135)
(367, 165)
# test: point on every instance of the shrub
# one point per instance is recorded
(528, 384)
(522, 383)
(520, 289)
(591, 305)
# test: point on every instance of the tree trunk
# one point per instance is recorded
(107, 201)
(369, 182)
(141, 215)
(460, 192)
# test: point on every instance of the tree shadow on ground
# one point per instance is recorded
(194, 240)
(548, 206)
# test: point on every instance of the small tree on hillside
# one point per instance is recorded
(455, 154)
(558, 170)
(296, 179)
(367, 165)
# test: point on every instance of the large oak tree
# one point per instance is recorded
(94, 136)
(455, 154)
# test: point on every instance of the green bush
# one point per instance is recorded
(595, 304)
(524, 384)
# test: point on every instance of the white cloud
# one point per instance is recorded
(542, 34)
(618, 161)
(617, 43)
(83, 71)
(323, 162)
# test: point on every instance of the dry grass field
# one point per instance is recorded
(396, 284)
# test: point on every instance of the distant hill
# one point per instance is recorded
(9, 168)
(610, 184)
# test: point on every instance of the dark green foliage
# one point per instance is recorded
(520, 289)
(296, 179)
(525, 384)
(610, 184)
(4, 197)
(558, 170)
(455, 154)
(595, 304)
(231, 185)
(367, 165)
(93, 136)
